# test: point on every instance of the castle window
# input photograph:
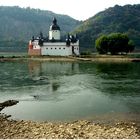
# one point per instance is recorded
(55, 48)
(64, 48)
(59, 48)
(51, 48)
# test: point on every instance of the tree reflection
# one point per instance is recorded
(119, 78)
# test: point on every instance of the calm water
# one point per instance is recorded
(11, 54)
(69, 91)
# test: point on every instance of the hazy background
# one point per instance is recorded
(78, 9)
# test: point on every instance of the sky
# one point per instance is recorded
(78, 9)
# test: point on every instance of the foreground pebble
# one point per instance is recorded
(12, 129)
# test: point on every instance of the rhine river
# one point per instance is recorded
(65, 91)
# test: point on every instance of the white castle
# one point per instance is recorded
(54, 45)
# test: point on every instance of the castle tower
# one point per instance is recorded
(54, 32)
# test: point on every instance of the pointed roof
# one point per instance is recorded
(54, 25)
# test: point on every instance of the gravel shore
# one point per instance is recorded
(13, 129)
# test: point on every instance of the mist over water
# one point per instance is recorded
(56, 91)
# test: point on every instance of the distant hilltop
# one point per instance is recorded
(123, 19)
(19, 24)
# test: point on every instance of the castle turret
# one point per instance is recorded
(54, 32)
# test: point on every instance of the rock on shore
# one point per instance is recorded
(7, 104)
(79, 129)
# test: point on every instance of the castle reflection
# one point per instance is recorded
(37, 68)
(50, 72)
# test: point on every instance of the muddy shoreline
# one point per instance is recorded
(72, 59)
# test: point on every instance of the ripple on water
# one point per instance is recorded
(65, 91)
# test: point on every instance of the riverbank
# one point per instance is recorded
(94, 58)
(13, 129)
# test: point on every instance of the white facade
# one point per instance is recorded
(59, 49)
(54, 34)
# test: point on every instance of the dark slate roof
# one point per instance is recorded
(54, 26)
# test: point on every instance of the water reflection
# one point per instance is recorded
(68, 90)
(121, 82)
(55, 86)
(52, 74)
(42, 68)
(122, 79)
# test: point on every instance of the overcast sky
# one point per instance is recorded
(78, 9)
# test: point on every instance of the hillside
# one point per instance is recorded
(124, 19)
(18, 25)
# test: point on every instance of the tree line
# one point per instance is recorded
(114, 43)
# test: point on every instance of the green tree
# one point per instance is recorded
(114, 43)
(102, 44)
(117, 43)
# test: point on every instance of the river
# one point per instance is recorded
(67, 91)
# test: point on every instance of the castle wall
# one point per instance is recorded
(56, 49)
(34, 52)
(75, 48)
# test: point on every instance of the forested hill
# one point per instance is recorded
(124, 19)
(18, 25)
